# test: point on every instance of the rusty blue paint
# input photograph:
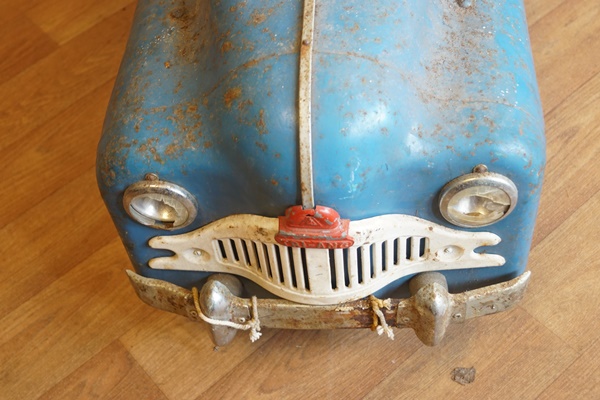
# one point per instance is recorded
(406, 96)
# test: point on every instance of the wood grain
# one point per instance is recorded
(72, 328)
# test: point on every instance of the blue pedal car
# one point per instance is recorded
(326, 164)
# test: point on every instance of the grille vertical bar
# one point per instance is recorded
(286, 267)
(378, 259)
(273, 264)
(263, 260)
(352, 267)
(365, 261)
(298, 268)
(339, 267)
(415, 248)
(241, 254)
(253, 256)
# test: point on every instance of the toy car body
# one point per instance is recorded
(300, 162)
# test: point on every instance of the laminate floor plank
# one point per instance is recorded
(111, 374)
(179, 355)
(572, 171)
(53, 155)
(50, 239)
(581, 380)
(63, 20)
(62, 78)
(29, 45)
(57, 329)
(563, 65)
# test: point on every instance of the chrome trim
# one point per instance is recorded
(474, 179)
(304, 105)
(172, 197)
(428, 312)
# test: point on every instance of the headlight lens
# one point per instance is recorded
(478, 199)
(159, 204)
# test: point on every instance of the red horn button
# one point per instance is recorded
(318, 228)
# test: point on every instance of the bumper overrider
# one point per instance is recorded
(325, 270)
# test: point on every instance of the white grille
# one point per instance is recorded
(386, 248)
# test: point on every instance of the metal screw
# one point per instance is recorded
(151, 177)
(198, 253)
(480, 169)
(306, 42)
(465, 3)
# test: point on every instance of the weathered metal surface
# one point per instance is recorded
(214, 302)
(428, 312)
(386, 248)
(404, 97)
(305, 105)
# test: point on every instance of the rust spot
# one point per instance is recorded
(167, 64)
(244, 104)
(260, 124)
(231, 95)
(226, 46)
(261, 146)
(250, 64)
(178, 87)
(257, 17)
(237, 7)
(274, 182)
(171, 149)
(180, 13)
(303, 187)
(208, 144)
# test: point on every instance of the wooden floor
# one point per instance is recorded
(71, 327)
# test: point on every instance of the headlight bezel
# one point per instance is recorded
(479, 178)
(144, 200)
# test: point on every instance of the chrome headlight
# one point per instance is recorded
(478, 199)
(159, 204)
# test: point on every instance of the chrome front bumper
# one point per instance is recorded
(428, 311)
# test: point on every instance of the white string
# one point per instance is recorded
(253, 325)
(382, 326)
